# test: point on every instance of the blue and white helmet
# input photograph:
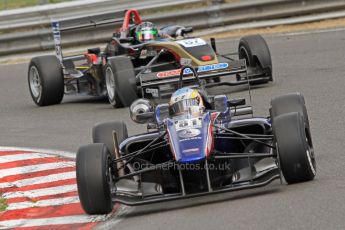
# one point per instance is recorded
(186, 100)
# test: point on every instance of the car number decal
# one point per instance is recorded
(189, 133)
(185, 61)
(188, 124)
(192, 42)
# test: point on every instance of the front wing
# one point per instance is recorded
(132, 193)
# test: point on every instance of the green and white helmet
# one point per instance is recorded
(146, 31)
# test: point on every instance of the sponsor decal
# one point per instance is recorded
(153, 92)
(206, 68)
(57, 40)
(170, 73)
(189, 133)
(190, 150)
(201, 69)
(190, 139)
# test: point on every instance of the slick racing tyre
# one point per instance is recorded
(294, 147)
(46, 81)
(94, 178)
(103, 133)
(292, 102)
(255, 51)
(120, 82)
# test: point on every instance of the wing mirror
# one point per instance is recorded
(236, 102)
(220, 103)
(187, 30)
(183, 30)
(142, 111)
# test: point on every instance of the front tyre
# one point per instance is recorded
(46, 80)
(292, 102)
(94, 178)
(103, 133)
(294, 147)
(255, 51)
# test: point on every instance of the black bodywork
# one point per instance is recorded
(85, 74)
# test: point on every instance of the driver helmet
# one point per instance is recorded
(186, 101)
(146, 31)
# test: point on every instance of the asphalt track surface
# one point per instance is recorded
(310, 63)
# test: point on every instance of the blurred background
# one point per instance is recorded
(10, 4)
(25, 25)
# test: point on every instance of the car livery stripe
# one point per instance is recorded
(200, 69)
(40, 192)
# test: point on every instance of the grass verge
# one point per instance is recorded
(3, 204)
(11, 4)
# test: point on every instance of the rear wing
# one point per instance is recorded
(127, 18)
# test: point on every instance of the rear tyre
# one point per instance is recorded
(120, 82)
(103, 133)
(255, 51)
(94, 176)
(295, 148)
(46, 80)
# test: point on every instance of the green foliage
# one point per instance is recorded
(3, 204)
(11, 4)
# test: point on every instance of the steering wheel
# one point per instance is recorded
(194, 73)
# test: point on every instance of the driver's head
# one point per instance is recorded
(146, 31)
(186, 100)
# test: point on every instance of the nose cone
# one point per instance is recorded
(190, 139)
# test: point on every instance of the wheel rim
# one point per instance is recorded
(35, 82)
(310, 153)
(110, 82)
(245, 55)
(109, 175)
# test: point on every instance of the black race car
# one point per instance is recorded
(196, 145)
(128, 69)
